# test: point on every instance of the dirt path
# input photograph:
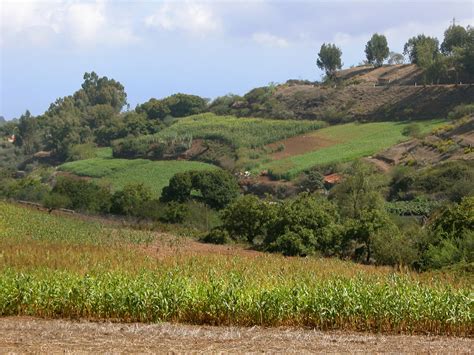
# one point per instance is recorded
(21, 334)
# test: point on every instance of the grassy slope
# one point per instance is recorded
(239, 132)
(119, 172)
(57, 266)
(355, 141)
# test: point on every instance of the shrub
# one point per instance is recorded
(174, 212)
(461, 111)
(248, 218)
(412, 130)
(84, 195)
(54, 200)
(131, 199)
(216, 236)
(179, 188)
(81, 152)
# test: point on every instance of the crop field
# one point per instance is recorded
(63, 267)
(239, 132)
(350, 141)
(119, 172)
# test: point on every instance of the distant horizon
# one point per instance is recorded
(205, 48)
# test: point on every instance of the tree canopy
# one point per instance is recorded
(377, 50)
(329, 58)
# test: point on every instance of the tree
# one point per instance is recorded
(376, 50)
(179, 188)
(329, 59)
(131, 199)
(395, 58)
(218, 188)
(27, 133)
(421, 48)
(454, 36)
(248, 217)
(101, 91)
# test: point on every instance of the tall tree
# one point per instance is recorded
(454, 36)
(377, 50)
(329, 58)
(421, 46)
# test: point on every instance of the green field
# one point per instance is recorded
(353, 141)
(119, 172)
(238, 132)
(58, 266)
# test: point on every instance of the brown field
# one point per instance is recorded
(301, 144)
(33, 335)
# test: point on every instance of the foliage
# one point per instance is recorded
(131, 199)
(452, 236)
(216, 187)
(421, 48)
(216, 236)
(412, 130)
(55, 200)
(377, 50)
(454, 36)
(83, 195)
(82, 151)
(461, 111)
(178, 105)
(329, 59)
(248, 218)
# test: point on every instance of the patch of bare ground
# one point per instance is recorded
(300, 144)
(167, 245)
(32, 335)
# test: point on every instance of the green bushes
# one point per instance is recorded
(131, 200)
(461, 111)
(216, 187)
(83, 195)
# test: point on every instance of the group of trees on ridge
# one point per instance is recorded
(456, 52)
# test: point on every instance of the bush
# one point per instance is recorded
(54, 200)
(27, 189)
(131, 199)
(81, 152)
(395, 249)
(461, 111)
(412, 130)
(217, 187)
(248, 218)
(216, 236)
(84, 195)
(451, 236)
(174, 212)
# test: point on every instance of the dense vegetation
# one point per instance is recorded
(103, 276)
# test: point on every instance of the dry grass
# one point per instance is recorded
(21, 334)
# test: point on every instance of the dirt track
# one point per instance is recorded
(21, 334)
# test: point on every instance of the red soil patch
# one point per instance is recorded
(300, 144)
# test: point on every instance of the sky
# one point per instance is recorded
(206, 48)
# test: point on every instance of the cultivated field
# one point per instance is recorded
(65, 267)
(238, 132)
(340, 143)
(119, 172)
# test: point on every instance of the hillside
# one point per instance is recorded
(369, 103)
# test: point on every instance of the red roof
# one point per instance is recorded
(332, 178)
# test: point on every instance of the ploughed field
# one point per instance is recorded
(61, 266)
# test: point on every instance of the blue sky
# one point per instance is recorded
(207, 48)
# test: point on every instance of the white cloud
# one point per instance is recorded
(191, 17)
(82, 23)
(269, 40)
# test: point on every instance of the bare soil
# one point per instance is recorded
(300, 144)
(33, 335)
